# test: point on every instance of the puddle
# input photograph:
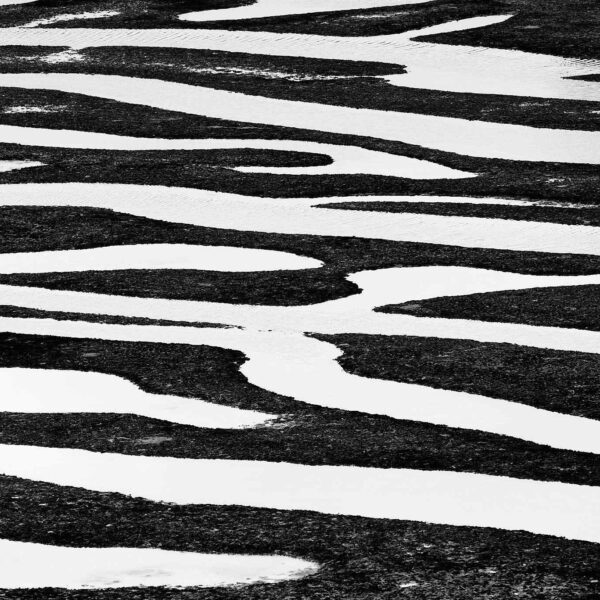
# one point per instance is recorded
(15, 165)
(56, 391)
(154, 256)
(30, 566)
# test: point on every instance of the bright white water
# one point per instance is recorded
(11, 2)
(273, 8)
(443, 67)
(286, 362)
(27, 565)
(302, 216)
(154, 256)
(470, 138)
(347, 160)
(14, 165)
(549, 508)
(50, 391)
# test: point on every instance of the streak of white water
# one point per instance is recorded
(15, 165)
(63, 57)
(463, 69)
(154, 256)
(452, 200)
(272, 8)
(28, 565)
(13, 110)
(101, 14)
(291, 364)
(299, 216)
(347, 160)
(11, 2)
(549, 508)
(55, 392)
(471, 138)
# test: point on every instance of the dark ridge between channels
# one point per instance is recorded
(574, 307)
(589, 216)
(276, 288)
(19, 312)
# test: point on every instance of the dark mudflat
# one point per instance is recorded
(575, 307)
(589, 216)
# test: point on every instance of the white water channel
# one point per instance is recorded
(470, 138)
(154, 256)
(289, 363)
(56, 392)
(272, 8)
(28, 565)
(303, 216)
(346, 160)
(549, 508)
(450, 68)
